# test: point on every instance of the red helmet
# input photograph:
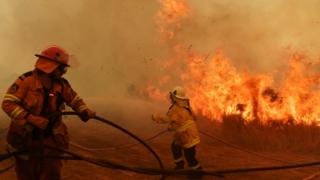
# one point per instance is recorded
(51, 58)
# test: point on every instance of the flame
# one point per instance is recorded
(216, 88)
(170, 16)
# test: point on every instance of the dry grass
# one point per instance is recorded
(271, 136)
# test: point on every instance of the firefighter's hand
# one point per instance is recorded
(157, 118)
(38, 121)
(87, 114)
(170, 127)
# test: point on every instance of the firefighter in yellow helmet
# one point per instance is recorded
(33, 102)
(182, 122)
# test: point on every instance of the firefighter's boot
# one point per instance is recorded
(179, 165)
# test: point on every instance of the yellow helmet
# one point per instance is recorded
(179, 92)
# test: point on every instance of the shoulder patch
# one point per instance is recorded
(25, 75)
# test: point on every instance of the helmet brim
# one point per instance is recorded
(179, 97)
(182, 98)
(50, 59)
(46, 66)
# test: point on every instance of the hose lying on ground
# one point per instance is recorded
(312, 176)
(241, 149)
(153, 171)
(109, 164)
(8, 155)
(218, 173)
(162, 132)
(7, 168)
(105, 121)
(117, 147)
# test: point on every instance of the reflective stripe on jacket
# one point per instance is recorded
(182, 122)
(27, 95)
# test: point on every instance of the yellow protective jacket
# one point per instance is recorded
(25, 96)
(182, 122)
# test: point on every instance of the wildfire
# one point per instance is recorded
(170, 16)
(216, 88)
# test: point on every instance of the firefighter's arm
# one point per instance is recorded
(12, 100)
(171, 116)
(175, 117)
(12, 105)
(73, 100)
(159, 118)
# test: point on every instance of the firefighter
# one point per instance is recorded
(34, 102)
(182, 122)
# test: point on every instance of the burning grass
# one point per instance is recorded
(278, 110)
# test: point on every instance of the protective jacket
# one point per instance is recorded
(182, 122)
(28, 96)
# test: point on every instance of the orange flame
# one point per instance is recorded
(170, 16)
(216, 88)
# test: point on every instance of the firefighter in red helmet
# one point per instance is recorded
(33, 102)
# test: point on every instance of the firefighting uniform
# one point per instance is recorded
(26, 97)
(186, 135)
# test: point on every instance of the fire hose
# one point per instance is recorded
(152, 171)
(241, 149)
(7, 168)
(109, 164)
(117, 147)
(110, 123)
(312, 176)
(162, 132)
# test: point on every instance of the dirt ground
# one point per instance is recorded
(212, 154)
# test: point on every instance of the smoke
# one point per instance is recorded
(110, 41)
(255, 34)
(114, 44)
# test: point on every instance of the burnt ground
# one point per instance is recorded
(212, 154)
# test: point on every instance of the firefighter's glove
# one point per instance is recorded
(158, 118)
(87, 114)
(170, 127)
(38, 121)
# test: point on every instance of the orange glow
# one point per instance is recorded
(216, 88)
(170, 16)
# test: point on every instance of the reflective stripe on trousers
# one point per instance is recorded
(188, 153)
